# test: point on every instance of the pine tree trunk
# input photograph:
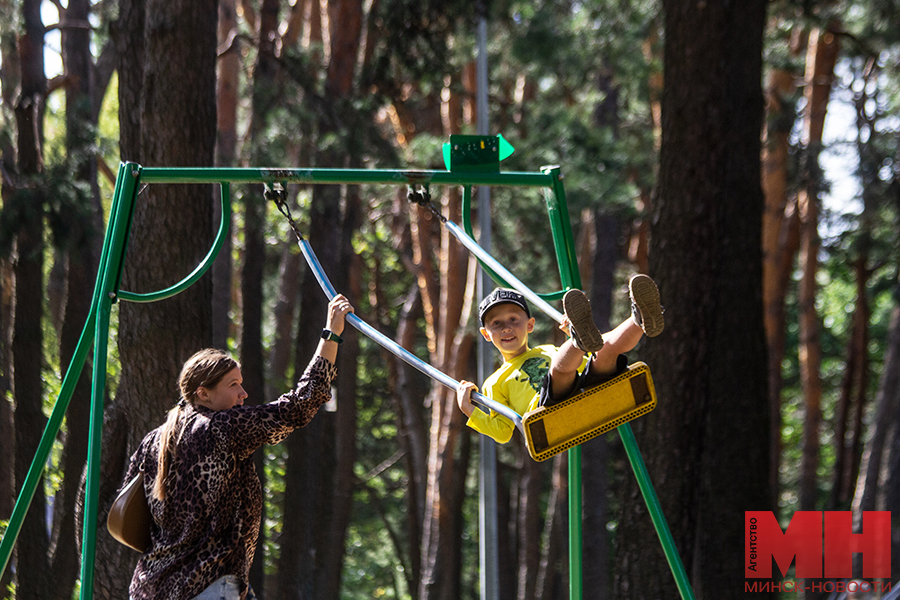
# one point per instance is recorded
(882, 450)
(7, 287)
(264, 98)
(554, 535)
(777, 255)
(444, 299)
(409, 391)
(528, 527)
(167, 89)
(27, 340)
(83, 254)
(345, 423)
(887, 405)
(289, 280)
(595, 454)
(820, 61)
(227, 82)
(706, 445)
(309, 468)
(852, 394)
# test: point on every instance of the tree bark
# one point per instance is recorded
(853, 393)
(167, 118)
(596, 453)
(326, 465)
(528, 526)
(409, 391)
(887, 403)
(27, 340)
(555, 525)
(820, 61)
(706, 445)
(264, 95)
(447, 299)
(777, 254)
(82, 260)
(227, 82)
(7, 291)
(346, 415)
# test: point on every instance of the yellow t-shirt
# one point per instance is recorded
(516, 384)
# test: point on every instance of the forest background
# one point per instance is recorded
(691, 139)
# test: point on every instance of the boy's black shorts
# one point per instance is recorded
(584, 380)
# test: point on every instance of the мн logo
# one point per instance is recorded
(822, 543)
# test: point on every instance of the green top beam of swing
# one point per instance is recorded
(340, 176)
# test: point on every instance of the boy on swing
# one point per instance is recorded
(545, 375)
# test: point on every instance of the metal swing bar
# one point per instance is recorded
(497, 270)
(385, 342)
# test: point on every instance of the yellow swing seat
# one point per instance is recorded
(594, 411)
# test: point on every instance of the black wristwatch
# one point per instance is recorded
(330, 336)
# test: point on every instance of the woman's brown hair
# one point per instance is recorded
(204, 369)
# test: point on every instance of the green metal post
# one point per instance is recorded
(561, 228)
(110, 270)
(656, 514)
(73, 372)
(33, 478)
(568, 265)
(564, 245)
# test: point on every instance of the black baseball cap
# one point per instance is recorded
(502, 296)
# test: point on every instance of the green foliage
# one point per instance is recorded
(415, 41)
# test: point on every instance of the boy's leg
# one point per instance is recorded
(582, 328)
(618, 341)
(646, 318)
(564, 370)
(645, 307)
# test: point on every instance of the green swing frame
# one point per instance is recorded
(106, 293)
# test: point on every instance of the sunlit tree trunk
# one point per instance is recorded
(709, 365)
(447, 299)
(821, 57)
(778, 254)
(227, 82)
(638, 246)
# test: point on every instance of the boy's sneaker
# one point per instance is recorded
(585, 334)
(645, 307)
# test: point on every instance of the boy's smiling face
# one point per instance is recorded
(507, 327)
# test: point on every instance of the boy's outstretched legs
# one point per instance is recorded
(646, 319)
